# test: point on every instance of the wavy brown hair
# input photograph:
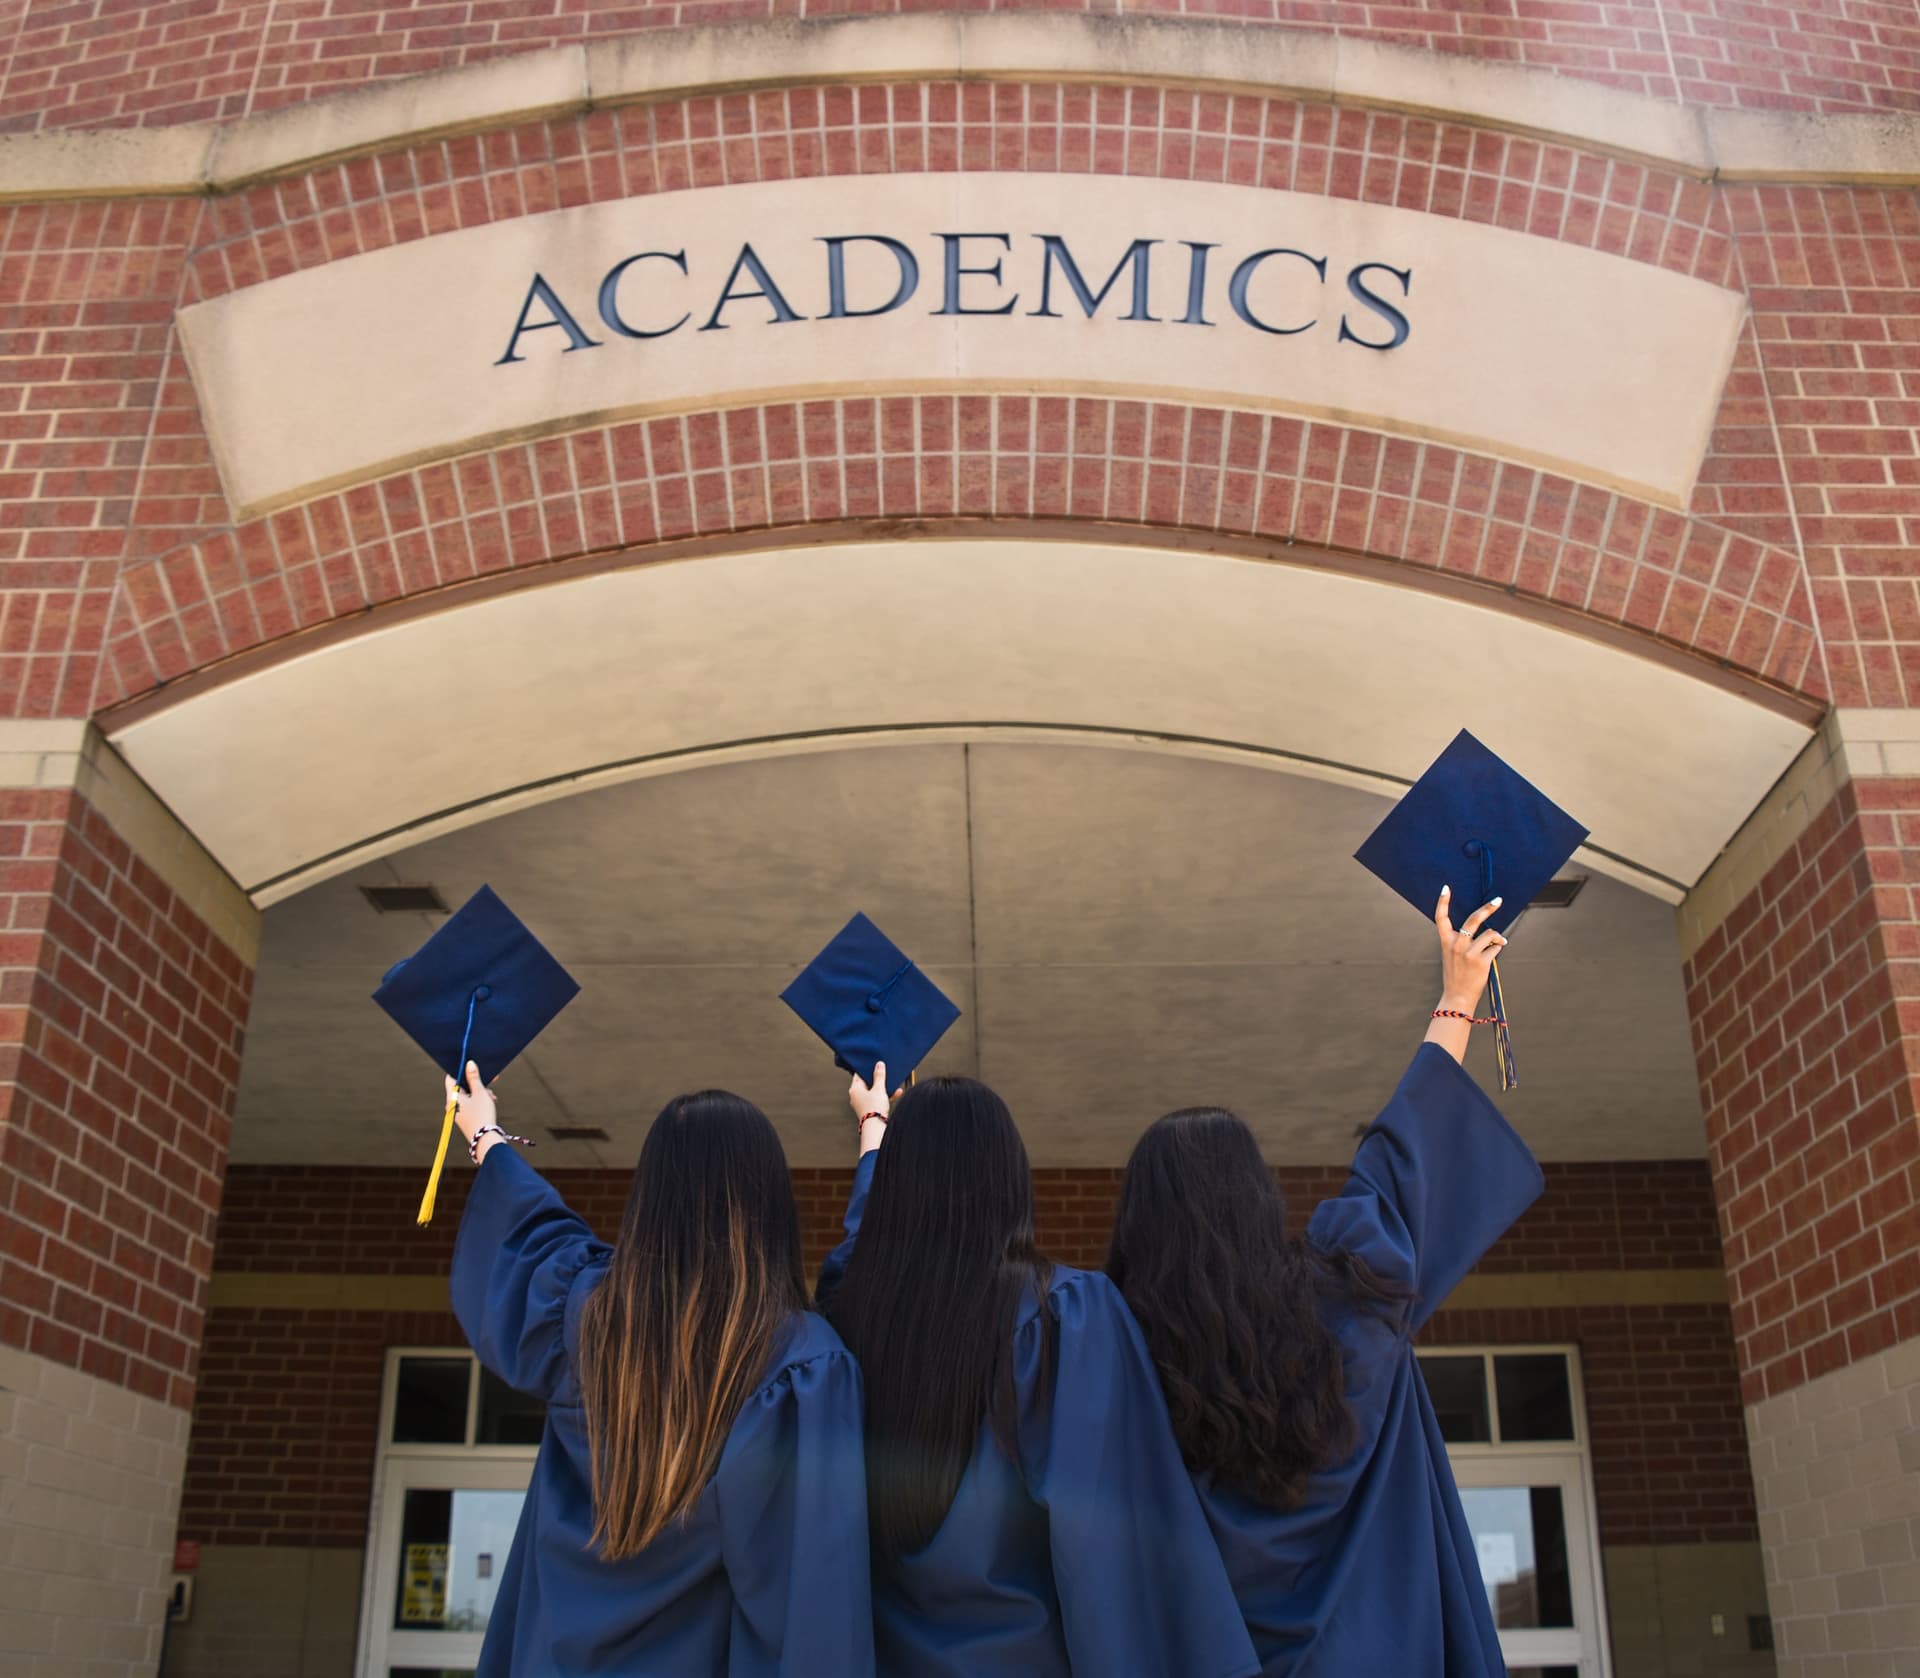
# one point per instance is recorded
(704, 1281)
(1233, 1310)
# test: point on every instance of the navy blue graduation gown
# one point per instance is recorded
(1091, 1555)
(1376, 1571)
(767, 1576)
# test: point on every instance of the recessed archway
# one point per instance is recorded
(421, 725)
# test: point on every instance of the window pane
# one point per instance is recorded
(430, 1401)
(1458, 1387)
(1535, 1395)
(507, 1417)
(453, 1549)
(1520, 1533)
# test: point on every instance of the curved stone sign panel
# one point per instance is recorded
(1590, 364)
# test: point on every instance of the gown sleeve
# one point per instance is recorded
(1141, 1584)
(793, 1527)
(515, 1262)
(1437, 1179)
(836, 1261)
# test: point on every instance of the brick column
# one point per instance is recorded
(125, 970)
(1803, 981)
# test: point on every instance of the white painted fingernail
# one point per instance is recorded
(1498, 901)
(1446, 891)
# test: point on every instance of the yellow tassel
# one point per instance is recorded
(439, 1161)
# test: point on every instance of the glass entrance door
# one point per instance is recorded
(457, 1452)
(445, 1528)
(1514, 1420)
(1528, 1519)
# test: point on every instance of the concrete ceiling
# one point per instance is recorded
(1126, 931)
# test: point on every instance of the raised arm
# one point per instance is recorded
(1439, 1175)
(871, 1105)
(1466, 959)
(515, 1261)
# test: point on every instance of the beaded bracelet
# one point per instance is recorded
(1471, 1019)
(473, 1147)
(882, 1117)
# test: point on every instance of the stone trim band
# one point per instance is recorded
(301, 1291)
(212, 158)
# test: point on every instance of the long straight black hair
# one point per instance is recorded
(1232, 1309)
(705, 1276)
(930, 1299)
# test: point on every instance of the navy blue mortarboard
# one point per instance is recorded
(867, 1002)
(1471, 823)
(480, 989)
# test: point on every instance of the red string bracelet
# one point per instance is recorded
(882, 1117)
(1455, 1014)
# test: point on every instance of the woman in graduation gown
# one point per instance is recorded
(698, 1506)
(1289, 1366)
(1029, 1510)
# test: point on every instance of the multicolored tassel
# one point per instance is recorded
(1496, 997)
(1503, 1039)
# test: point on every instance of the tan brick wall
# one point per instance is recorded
(89, 1488)
(1837, 1465)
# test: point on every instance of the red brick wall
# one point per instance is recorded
(121, 568)
(285, 1428)
(125, 62)
(121, 1017)
(1668, 1431)
(332, 1220)
(1831, 284)
(286, 1425)
(87, 451)
(287, 1422)
(107, 490)
(1807, 1034)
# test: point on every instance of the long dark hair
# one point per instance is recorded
(930, 1299)
(1231, 1308)
(705, 1276)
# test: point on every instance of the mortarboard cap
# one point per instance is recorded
(1471, 823)
(480, 989)
(867, 1002)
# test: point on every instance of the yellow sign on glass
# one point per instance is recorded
(423, 1598)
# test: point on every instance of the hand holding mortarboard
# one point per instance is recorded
(1467, 955)
(872, 1106)
(479, 990)
(477, 1113)
(868, 1003)
(1473, 829)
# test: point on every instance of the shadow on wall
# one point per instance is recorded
(270, 1613)
(1661, 1601)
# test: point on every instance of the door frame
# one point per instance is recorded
(399, 1469)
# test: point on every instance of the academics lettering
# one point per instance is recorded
(1278, 291)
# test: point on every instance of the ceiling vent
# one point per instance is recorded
(577, 1133)
(397, 900)
(1558, 894)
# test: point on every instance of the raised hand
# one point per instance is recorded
(1466, 956)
